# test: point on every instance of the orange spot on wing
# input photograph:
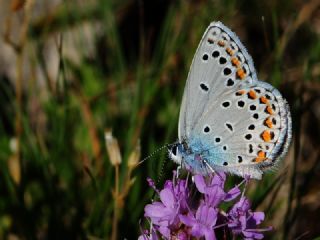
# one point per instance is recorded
(266, 136)
(252, 94)
(221, 43)
(210, 40)
(268, 123)
(240, 73)
(261, 156)
(264, 100)
(240, 92)
(269, 110)
(229, 51)
(235, 61)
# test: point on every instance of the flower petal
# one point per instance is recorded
(200, 183)
(143, 237)
(167, 197)
(209, 234)
(201, 212)
(218, 179)
(165, 231)
(258, 217)
(214, 195)
(196, 230)
(156, 209)
(159, 214)
(232, 194)
(242, 205)
(252, 235)
(188, 220)
(212, 217)
(243, 221)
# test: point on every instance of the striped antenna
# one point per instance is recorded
(156, 151)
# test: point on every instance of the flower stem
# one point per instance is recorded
(116, 207)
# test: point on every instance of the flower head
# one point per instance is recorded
(242, 220)
(165, 213)
(213, 189)
(202, 222)
(182, 213)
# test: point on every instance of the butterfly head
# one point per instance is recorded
(175, 153)
(191, 156)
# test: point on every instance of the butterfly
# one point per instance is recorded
(229, 120)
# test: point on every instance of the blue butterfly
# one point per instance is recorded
(229, 120)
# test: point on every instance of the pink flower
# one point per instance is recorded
(185, 212)
(242, 220)
(203, 222)
(165, 214)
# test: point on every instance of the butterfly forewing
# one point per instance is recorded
(220, 55)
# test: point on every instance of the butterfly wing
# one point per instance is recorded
(206, 78)
(243, 124)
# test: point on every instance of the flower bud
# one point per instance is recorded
(134, 156)
(112, 148)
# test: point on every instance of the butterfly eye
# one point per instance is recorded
(174, 150)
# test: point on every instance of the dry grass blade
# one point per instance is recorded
(17, 5)
(304, 15)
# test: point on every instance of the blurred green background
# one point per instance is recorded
(72, 70)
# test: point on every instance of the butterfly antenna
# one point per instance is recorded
(160, 178)
(156, 151)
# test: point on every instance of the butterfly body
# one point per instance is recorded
(229, 120)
